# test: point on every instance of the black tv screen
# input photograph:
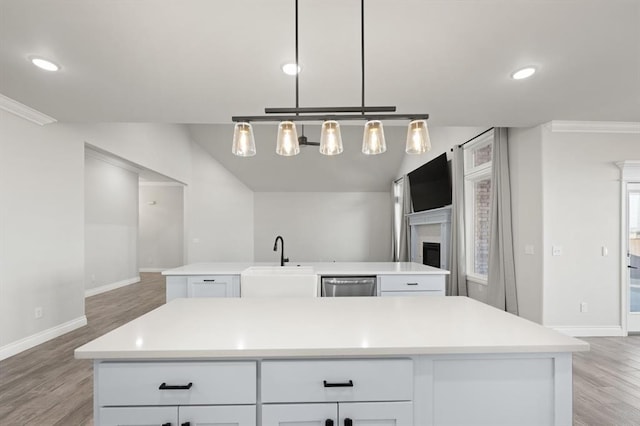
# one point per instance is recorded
(430, 185)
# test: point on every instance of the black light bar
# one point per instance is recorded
(336, 117)
(324, 110)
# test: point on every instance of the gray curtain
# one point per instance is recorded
(457, 285)
(400, 228)
(501, 291)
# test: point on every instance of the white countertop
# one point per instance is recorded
(324, 327)
(320, 268)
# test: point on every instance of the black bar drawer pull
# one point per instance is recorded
(166, 424)
(348, 384)
(208, 281)
(412, 283)
(165, 386)
(348, 422)
(328, 422)
(186, 424)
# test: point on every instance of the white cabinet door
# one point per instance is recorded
(230, 415)
(375, 414)
(176, 287)
(139, 416)
(299, 415)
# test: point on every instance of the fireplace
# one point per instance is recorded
(431, 254)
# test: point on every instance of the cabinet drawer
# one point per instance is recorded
(138, 383)
(412, 293)
(212, 286)
(411, 282)
(340, 380)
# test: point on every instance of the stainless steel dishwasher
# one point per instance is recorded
(348, 286)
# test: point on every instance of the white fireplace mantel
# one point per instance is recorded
(442, 217)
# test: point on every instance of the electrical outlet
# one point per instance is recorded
(584, 307)
(556, 251)
(528, 249)
(38, 312)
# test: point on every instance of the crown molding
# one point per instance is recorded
(630, 170)
(595, 126)
(24, 111)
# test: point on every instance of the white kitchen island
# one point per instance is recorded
(332, 361)
(222, 279)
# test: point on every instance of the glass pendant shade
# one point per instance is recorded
(287, 139)
(373, 140)
(244, 144)
(330, 138)
(418, 137)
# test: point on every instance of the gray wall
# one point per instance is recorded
(582, 203)
(111, 224)
(161, 226)
(42, 226)
(41, 230)
(323, 226)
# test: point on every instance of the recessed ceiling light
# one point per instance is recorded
(523, 73)
(44, 64)
(291, 69)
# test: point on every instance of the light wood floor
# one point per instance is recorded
(47, 386)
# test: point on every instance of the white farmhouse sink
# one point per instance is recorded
(279, 281)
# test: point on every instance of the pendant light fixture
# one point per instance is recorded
(373, 141)
(244, 144)
(330, 138)
(287, 139)
(418, 137)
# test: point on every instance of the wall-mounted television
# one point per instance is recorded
(430, 184)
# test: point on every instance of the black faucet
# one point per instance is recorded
(275, 248)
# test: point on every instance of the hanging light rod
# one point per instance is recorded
(373, 141)
(336, 117)
(316, 110)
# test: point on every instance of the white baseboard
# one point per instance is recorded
(109, 287)
(29, 342)
(606, 331)
(152, 269)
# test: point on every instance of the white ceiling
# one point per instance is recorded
(202, 61)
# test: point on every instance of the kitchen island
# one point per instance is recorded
(332, 361)
(223, 279)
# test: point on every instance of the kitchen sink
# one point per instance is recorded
(279, 281)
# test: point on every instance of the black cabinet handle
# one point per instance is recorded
(166, 424)
(348, 422)
(208, 281)
(348, 384)
(186, 424)
(632, 267)
(165, 386)
(412, 283)
(328, 422)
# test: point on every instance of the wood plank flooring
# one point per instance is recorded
(47, 386)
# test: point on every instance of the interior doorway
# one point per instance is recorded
(632, 236)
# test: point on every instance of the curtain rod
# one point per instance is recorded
(475, 137)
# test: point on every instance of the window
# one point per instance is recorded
(477, 181)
